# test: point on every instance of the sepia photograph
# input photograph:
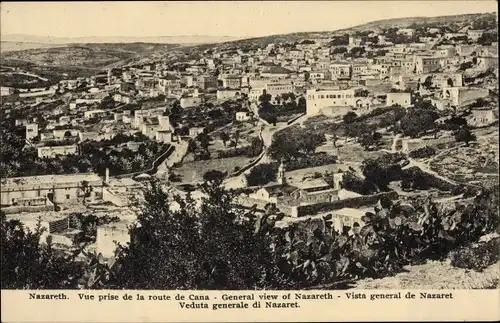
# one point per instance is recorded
(249, 146)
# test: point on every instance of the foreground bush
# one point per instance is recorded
(314, 252)
(478, 257)
(217, 246)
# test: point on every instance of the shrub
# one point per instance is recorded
(319, 159)
(423, 152)
(262, 174)
(397, 234)
(477, 257)
(353, 183)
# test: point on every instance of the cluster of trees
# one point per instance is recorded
(339, 50)
(253, 150)
(366, 133)
(356, 52)
(380, 172)
(392, 36)
(418, 120)
(23, 81)
(487, 22)
(488, 38)
(286, 105)
(107, 103)
(288, 145)
(199, 146)
(215, 246)
(423, 152)
(90, 159)
(27, 264)
(340, 40)
(88, 224)
(264, 173)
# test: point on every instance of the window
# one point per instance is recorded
(67, 196)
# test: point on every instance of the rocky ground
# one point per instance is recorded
(436, 275)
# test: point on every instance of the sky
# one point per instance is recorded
(212, 18)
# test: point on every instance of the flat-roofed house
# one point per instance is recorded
(57, 188)
(319, 99)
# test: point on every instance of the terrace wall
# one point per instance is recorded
(340, 204)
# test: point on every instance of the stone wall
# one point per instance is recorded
(355, 202)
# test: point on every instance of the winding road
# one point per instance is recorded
(267, 133)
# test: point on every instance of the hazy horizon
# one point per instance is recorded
(223, 19)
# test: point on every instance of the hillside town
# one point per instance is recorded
(321, 128)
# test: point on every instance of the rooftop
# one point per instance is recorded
(50, 179)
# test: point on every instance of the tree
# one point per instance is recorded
(265, 97)
(302, 104)
(465, 65)
(29, 263)
(369, 139)
(192, 146)
(356, 184)
(334, 140)
(204, 141)
(210, 247)
(464, 135)
(236, 137)
(428, 82)
(418, 121)
(283, 147)
(262, 174)
(107, 103)
(350, 117)
(164, 249)
(86, 191)
(339, 50)
(308, 142)
(487, 38)
(224, 137)
(255, 147)
(383, 170)
(357, 51)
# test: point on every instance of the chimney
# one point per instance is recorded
(106, 179)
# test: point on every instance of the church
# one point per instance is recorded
(306, 192)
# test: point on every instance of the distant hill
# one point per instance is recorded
(92, 56)
(9, 46)
(406, 22)
(371, 26)
(190, 39)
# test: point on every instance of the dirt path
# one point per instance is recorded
(436, 275)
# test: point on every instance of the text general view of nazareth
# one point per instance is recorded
(359, 158)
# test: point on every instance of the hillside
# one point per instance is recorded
(407, 22)
(188, 39)
(78, 56)
(9, 46)
(371, 26)
(92, 56)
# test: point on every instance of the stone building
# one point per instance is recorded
(56, 188)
